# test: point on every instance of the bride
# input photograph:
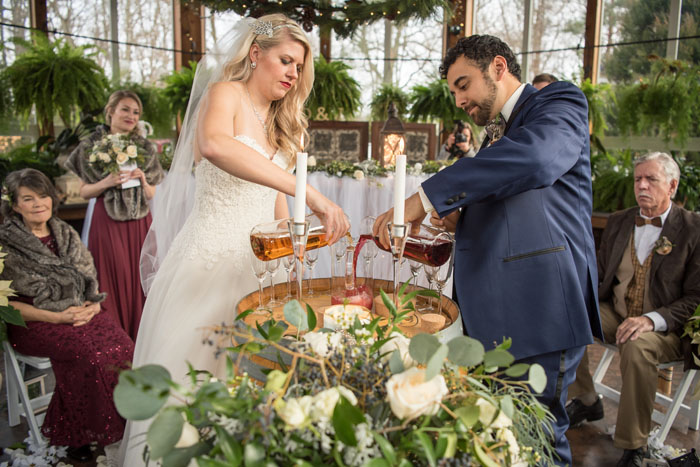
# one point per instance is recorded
(242, 129)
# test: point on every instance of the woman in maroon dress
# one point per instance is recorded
(121, 217)
(54, 278)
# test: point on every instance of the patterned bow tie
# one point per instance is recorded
(495, 128)
(641, 221)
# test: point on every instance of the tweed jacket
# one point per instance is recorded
(121, 205)
(54, 282)
(674, 279)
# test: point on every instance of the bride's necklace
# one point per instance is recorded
(257, 114)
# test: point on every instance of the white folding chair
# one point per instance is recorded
(675, 404)
(18, 401)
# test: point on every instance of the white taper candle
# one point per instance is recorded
(399, 189)
(300, 189)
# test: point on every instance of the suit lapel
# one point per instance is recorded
(528, 92)
(670, 230)
(621, 240)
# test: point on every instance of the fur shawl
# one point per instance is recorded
(54, 282)
(121, 205)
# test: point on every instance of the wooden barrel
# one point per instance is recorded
(320, 299)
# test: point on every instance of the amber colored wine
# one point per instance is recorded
(268, 247)
(433, 252)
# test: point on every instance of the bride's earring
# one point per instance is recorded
(253, 65)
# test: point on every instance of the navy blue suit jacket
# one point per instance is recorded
(525, 264)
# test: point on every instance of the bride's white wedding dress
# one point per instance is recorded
(204, 275)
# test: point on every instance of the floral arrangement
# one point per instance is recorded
(359, 393)
(112, 152)
(663, 246)
(371, 168)
(8, 313)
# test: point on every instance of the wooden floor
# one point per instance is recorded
(590, 444)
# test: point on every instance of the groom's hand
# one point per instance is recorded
(413, 213)
(448, 223)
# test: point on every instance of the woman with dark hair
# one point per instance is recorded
(57, 294)
(121, 216)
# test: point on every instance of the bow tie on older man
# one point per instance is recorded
(640, 221)
(495, 128)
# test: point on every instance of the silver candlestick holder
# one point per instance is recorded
(299, 233)
(397, 238)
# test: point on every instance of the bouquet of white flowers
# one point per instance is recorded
(113, 153)
(359, 394)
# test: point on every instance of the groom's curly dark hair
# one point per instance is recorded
(482, 50)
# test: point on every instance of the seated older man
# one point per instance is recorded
(649, 272)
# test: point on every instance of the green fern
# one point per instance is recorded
(55, 78)
(387, 93)
(334, 91)
(178, 86)
(435, 103)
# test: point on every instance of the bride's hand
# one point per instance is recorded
(332, 216)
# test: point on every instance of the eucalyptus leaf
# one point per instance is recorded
(164, 432)
(468, 414)
(507, 406)
(465, 351)
(141, 393)
(436, 362)
(498, 358)
(517, 370)
(181, 457)
(396, 363)
(345, 417)
(422, 347)
(537, 378)
(295, 314)
(231, 448)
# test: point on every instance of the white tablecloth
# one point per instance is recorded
(360, 198)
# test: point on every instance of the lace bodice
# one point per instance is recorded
(225, 209)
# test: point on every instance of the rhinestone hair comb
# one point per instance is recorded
(265, 28)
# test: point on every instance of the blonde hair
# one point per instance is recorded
(287, 116)
(116, 98)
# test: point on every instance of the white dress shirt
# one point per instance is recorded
(644, 238)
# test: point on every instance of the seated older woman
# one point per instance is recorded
(57, 293)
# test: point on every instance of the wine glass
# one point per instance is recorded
(260, 270)
(439, 275)
(288, 263)
(310, 259)
(415, 272)
(272, 267)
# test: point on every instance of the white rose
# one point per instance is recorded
(487, 412)
(295, 412)
(188, 437)
(116, 149)
(398, 342)
(325, 402)
(418, 167)
(318, 342)
(410, 396)
(93, 157)
(311, 161)
(131, 151)
(122, 158)
(104, 157)
(358, 175)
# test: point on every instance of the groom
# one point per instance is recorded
(525, 258)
